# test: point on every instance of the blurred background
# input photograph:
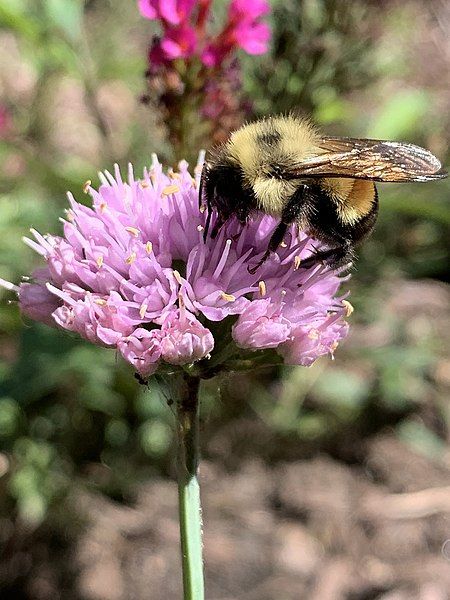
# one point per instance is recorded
(322, 483)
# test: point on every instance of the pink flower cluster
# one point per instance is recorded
(184, 36)
(132, 272)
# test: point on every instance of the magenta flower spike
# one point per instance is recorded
(132, 272)
(174, 12)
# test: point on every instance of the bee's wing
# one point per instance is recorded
(369, 159)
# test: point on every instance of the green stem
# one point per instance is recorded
(188, 488)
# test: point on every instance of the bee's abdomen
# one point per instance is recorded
(325, 217)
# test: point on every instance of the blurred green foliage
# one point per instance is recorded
(71, 415)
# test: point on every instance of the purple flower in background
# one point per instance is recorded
(243, 30)
(179, 43)
(174, 12)
(132, 272)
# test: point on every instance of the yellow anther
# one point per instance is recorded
(133, 230)
(170, 189)
(297, 261)
(283, 244)
(149, 247)
(144, 184)
(262, 288)
(100, 301)
(200, 228)
(202, 208)
(313, 334)
(130, 259)
(348, 307)
(177, 276)
(143, 310)
(173, 175)
(99, 261)
(228, 297)
(86, 186)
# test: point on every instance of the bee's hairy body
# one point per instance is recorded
(259, 169)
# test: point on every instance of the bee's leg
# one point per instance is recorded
(334, 257)
(208, 220)
(276, 239)
(217, 225)
(201, 187)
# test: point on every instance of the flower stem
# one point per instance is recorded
(188, 488)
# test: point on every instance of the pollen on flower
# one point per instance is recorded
(297, 262)
(133, 230)
(228, 297)
(170, 189)
(87, 184)
(166, 305)
(348, 308)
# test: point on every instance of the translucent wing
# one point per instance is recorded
(369, 159)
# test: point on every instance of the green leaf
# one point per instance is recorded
(67, 15)
(398, 117)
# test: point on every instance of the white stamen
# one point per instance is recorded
(102, 178)
(200, 160)
(34, 246)
(117, 173)
(155, 161)
(41, 239)
(110, 178)
(130, 174)
(9, 286)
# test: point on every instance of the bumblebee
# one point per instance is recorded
(284, 167)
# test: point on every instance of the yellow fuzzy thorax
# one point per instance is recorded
(289, 141)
